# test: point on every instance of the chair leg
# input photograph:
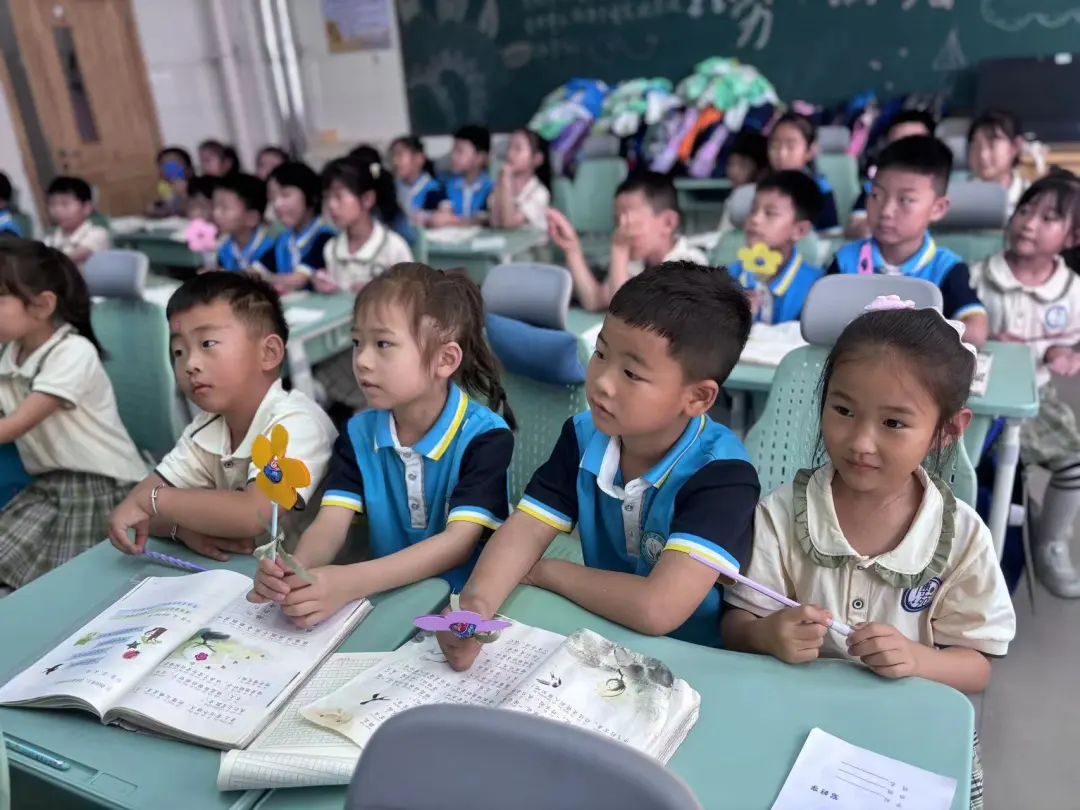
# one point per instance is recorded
(1026, 531)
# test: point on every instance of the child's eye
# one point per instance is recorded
(177, 353)
(209, 344)
(631, 375)
(383, 344)
(356, 343)
(842, 410)
(894, 424)
(907, 200)
(599, 354)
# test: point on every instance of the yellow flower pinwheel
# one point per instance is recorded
(278, 477)
(760, 260)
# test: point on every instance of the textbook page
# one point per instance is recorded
(102, 660)
(230, 676)
(834, 774)
(294, 752)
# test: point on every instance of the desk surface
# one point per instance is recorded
(490, 242)
(116, 768)
(336, 309)
(775, 705)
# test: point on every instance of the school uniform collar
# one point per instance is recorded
(28, 369)
(244, 257)
(5, 218)
(780, 285)
(1016, 189)
(921, 259)
(367, 252)
(213, 435)
(1000, 275)
(604, 453)
(922, 553)
(76, 237)
(678, 250)
(476, 185)
(302, 239)
(414, 188)
(437, 440)
(528, 189)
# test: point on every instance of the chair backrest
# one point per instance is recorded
(835, 301)
(562, 195)
(529, 763)
(117, 273)
(739, 203)
(593, 209)
(842, 172)
(958, 146)
(833, 140)
(972, 246)
(599, 146)
(975, 205)
(953, 126)
(538, 294)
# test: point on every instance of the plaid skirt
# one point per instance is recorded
(976, 776)
(338, 381)
(1053, 435)
(58, 516)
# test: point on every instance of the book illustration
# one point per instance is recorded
(210, 648)
(52, 669)
(630, 671)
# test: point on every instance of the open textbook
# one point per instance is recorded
(187, 657)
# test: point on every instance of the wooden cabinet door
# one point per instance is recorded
(92, 96)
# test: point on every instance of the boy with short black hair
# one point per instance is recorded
(647, 233)
(70, 205)
(908, 195)
(8, 225)
(470, 185)
(227, 337)
(239, 203)
(645, 474)
(786, 205)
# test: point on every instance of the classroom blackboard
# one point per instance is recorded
(491, 61)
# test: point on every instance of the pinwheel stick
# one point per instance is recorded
(273, 532)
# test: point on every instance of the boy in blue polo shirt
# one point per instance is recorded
(470, 185)
(7, 221)
(239, 203)
(646, 476)
(786, 204)
(908, 194)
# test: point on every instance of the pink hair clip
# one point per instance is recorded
(201, 236)
(887, 302)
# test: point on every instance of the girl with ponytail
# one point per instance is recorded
(426, 463)
(57, 406)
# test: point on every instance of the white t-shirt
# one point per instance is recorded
(85, 434)
(1044, 316)
(88, 235)
(382, 250)
(682, 251)
(533, 201)
(965, 603)
(205, 459)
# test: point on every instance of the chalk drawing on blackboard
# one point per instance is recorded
(408, 10)
(451, 10)
(902, 53)
(451, 73)
(950, 58)
(874, 64)
(489, 19)
(1016, 15)
(754, 18)
(517, 55)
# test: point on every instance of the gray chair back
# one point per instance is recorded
(958, 146)
(740, 203)
(975, 205)
(117, 274)
(538, 294)
(835, 301)
(833, 140)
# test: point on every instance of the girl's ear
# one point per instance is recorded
(448, 360)
(367, 200)
(43, 305)
(953, 430)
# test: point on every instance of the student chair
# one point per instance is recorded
(842, 172)
(726, 250)
(135, 336)
(593, 193)
(13, 476)
(520, 760)
(833, 140)
(785, 438)
(958, 146)
(953, 126)
(974, 225)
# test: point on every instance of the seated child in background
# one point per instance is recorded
(299, 250)
(386, 209)
(418, 191)
(792, 147)
(748, 160)
(908, 195)
(228, 336)
(785, 207)
(425, 463)
(646, 233)
(239, 203)
(904, 124)
(8, 224)
(469, 187)
(645, 474)
(174, 172)
(216, 159)
(70, 206)
(995, 143)
(268, 159)
(200, 198)
(1032, 297)
(57, 406)
(523, 194)
(869, 537)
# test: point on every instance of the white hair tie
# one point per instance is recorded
(892, 302)
(375, 168)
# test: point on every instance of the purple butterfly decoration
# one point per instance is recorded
(462, 623)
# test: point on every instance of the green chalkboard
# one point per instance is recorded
(491, 61)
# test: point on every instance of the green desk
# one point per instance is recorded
(162, 247)
(111, 767)
(487, 249)
(312, 341)
(756, 713)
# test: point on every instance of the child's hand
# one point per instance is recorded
(795, 635)
(269, 583)
(460, 652)
(129, 515)
(885, 650)
(324, 283)
(1063, 360)
(290, 282)
(561, 232)
(442, 218)
(217, 548)
(333, 586)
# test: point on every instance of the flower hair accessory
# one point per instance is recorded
(375, 169)
(892, 302)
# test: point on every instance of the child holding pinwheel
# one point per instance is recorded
(228, 336)
(771, 268)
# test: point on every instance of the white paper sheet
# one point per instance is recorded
(300, 316)
(834, 774)
(451, 235)
(769, 343)
(979, 383)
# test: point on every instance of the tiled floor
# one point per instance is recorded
(1030, 715)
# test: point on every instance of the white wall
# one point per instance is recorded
(12, 164)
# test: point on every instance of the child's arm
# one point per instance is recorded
(793, 635)
(504, 212)
(891, 654)
(590, 292)
(34, 410)
(961, 302)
